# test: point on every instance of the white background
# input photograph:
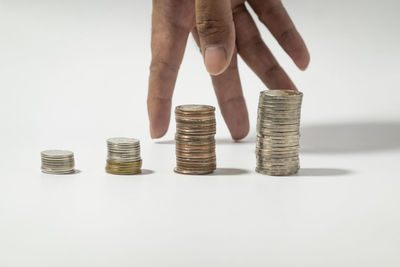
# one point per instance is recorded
(74, 73)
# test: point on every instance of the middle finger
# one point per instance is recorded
(228, 90)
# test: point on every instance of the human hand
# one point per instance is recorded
(222, 29)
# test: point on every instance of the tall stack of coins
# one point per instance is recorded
(195, 139)
(58, 162)
(123, 156)
(278, 122)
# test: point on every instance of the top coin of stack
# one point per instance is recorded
(58, 162)
(123, 156)
(278, 133)
(195, 139)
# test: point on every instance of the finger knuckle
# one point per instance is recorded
(286, 35)
(271, 11)
(239, 9)
(273, 70)
(160, 100)
(157, 66)
(233, 100)
(212, 28)
(253, 42)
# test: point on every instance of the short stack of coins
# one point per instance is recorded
(278, 123)
(58, 162)
(123, 156)
(195, 139)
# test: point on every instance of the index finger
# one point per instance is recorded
(168, 43)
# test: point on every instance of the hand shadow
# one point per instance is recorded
(350, 137)
(229, 171)
(336, 138)
(312, 172)
(219, 141)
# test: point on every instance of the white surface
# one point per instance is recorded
(75, 73)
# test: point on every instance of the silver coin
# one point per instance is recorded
(49, 171)
(123, 141)
(57, 153)
(193, 108)
(273, 107)
(57, 161)
(278, 132)
(277, 173)
(280, 92)
(277, 150)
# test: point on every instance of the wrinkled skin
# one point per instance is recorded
(223, 29)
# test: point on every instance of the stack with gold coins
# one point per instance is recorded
(278, 123)
(195, 139)
(58, 162)
(123, 156)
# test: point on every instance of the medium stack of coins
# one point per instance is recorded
(123, 156)
(195, 139)
(278, 123)
(58, 162)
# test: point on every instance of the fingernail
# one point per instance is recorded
(215, 59)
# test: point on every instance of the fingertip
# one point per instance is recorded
(237, 121)
(159, 126)
(241, 133)
(159, 115)
(157, 133)
(303, 62)
(301, 56)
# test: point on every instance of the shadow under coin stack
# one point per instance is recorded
(195, 139)
(278, 122)
(58, 162)
(123, 156)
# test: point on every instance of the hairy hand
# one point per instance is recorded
(222, 29)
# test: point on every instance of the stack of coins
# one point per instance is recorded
(123, 156)
(58, 162)
(278, 122)
(195, 139)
